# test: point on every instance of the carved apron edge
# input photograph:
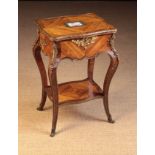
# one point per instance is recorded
(53, 60)
(113, 53)
(112, 45)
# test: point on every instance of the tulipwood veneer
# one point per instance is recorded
(76, 91)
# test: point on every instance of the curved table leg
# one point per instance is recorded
(54, 90)
(38, 59)
(52, 73)
(111, 70)
(90, 68)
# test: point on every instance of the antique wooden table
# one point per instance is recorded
(74, 37)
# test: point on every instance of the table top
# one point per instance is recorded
(75, 26)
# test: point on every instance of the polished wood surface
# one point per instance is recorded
(70, 50)
(46, 44)
(56, 29)
(37, 55)
(52, 73)
(90, 69)
(111, 70)
(59, 42)
(76, 91)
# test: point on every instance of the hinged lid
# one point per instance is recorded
(72, 27)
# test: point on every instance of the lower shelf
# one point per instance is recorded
(76, 91)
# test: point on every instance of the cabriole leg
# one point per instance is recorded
(54, 90)
(40, 64)
(111, 70)
(52, 73)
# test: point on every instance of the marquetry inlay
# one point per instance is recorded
(84, 42)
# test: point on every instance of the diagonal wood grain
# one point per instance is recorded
(55, 27)
(77, 91)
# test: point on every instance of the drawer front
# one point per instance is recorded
(102, 44)
(73, 50)
(76, 50)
